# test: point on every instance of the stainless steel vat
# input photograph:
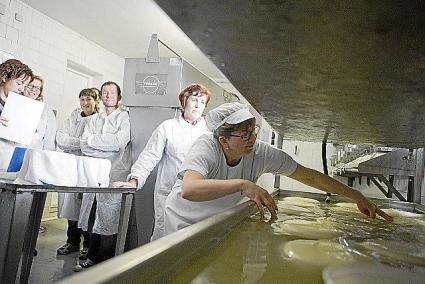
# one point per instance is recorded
(159, 261)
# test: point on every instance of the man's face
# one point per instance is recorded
(109, 96)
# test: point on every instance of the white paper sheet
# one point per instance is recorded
(24, 115)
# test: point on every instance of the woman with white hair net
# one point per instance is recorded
(221, 168)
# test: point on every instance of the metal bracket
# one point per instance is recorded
(153, 51)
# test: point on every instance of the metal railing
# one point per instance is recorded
(21, 208)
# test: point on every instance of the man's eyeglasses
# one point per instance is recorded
(33, 88)
(248, 134)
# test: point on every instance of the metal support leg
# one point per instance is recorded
(16, 209)
(127, 199)
(7, 204)
(391, 180)
(419, 174)
(379, 186)
(410, 188)
(350, 181)
(31, 234)
(392, 188)
(279, 146)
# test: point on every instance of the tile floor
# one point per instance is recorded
(47, 266)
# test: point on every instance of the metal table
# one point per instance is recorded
(21, 209)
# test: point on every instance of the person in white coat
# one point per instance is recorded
(167, 147)
(106, 135)
(44, 137)
(221, 169)
(68, 140)
(14, 76)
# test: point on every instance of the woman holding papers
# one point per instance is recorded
(14, 76)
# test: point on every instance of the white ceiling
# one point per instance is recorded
(124, 27)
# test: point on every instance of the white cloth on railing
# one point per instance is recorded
(63, 169)
(48, 167)
(6, 152)
(91, 172)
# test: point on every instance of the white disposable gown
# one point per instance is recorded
(167, 146)
(44, 137)
(108, 137)
(68, 140)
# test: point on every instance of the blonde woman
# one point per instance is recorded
(68, 140)
(46, 130)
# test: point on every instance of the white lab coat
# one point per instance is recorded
(44, 137)
(106, 136)
(167, 146)
(68, 140)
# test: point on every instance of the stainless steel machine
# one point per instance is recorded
(384, 166)
(151, 88)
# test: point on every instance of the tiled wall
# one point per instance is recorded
(47, 46)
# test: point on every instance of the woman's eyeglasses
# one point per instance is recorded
(33, 88)
(248, 134)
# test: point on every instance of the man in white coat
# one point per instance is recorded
(106, 135)
(68, 140)
(167, 147)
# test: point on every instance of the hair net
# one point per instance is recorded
(231, 113)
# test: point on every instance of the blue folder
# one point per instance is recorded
(17, 159)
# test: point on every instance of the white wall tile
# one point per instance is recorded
(45, 45)
(3, 28)
(12, 34)
(5, 44)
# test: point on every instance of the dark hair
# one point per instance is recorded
(227, 129)
(13, 68)
(193, 90)
(93, 93)
(112, 83)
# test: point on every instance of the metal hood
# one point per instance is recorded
(342, 71)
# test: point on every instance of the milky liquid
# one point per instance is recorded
(257, 252)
